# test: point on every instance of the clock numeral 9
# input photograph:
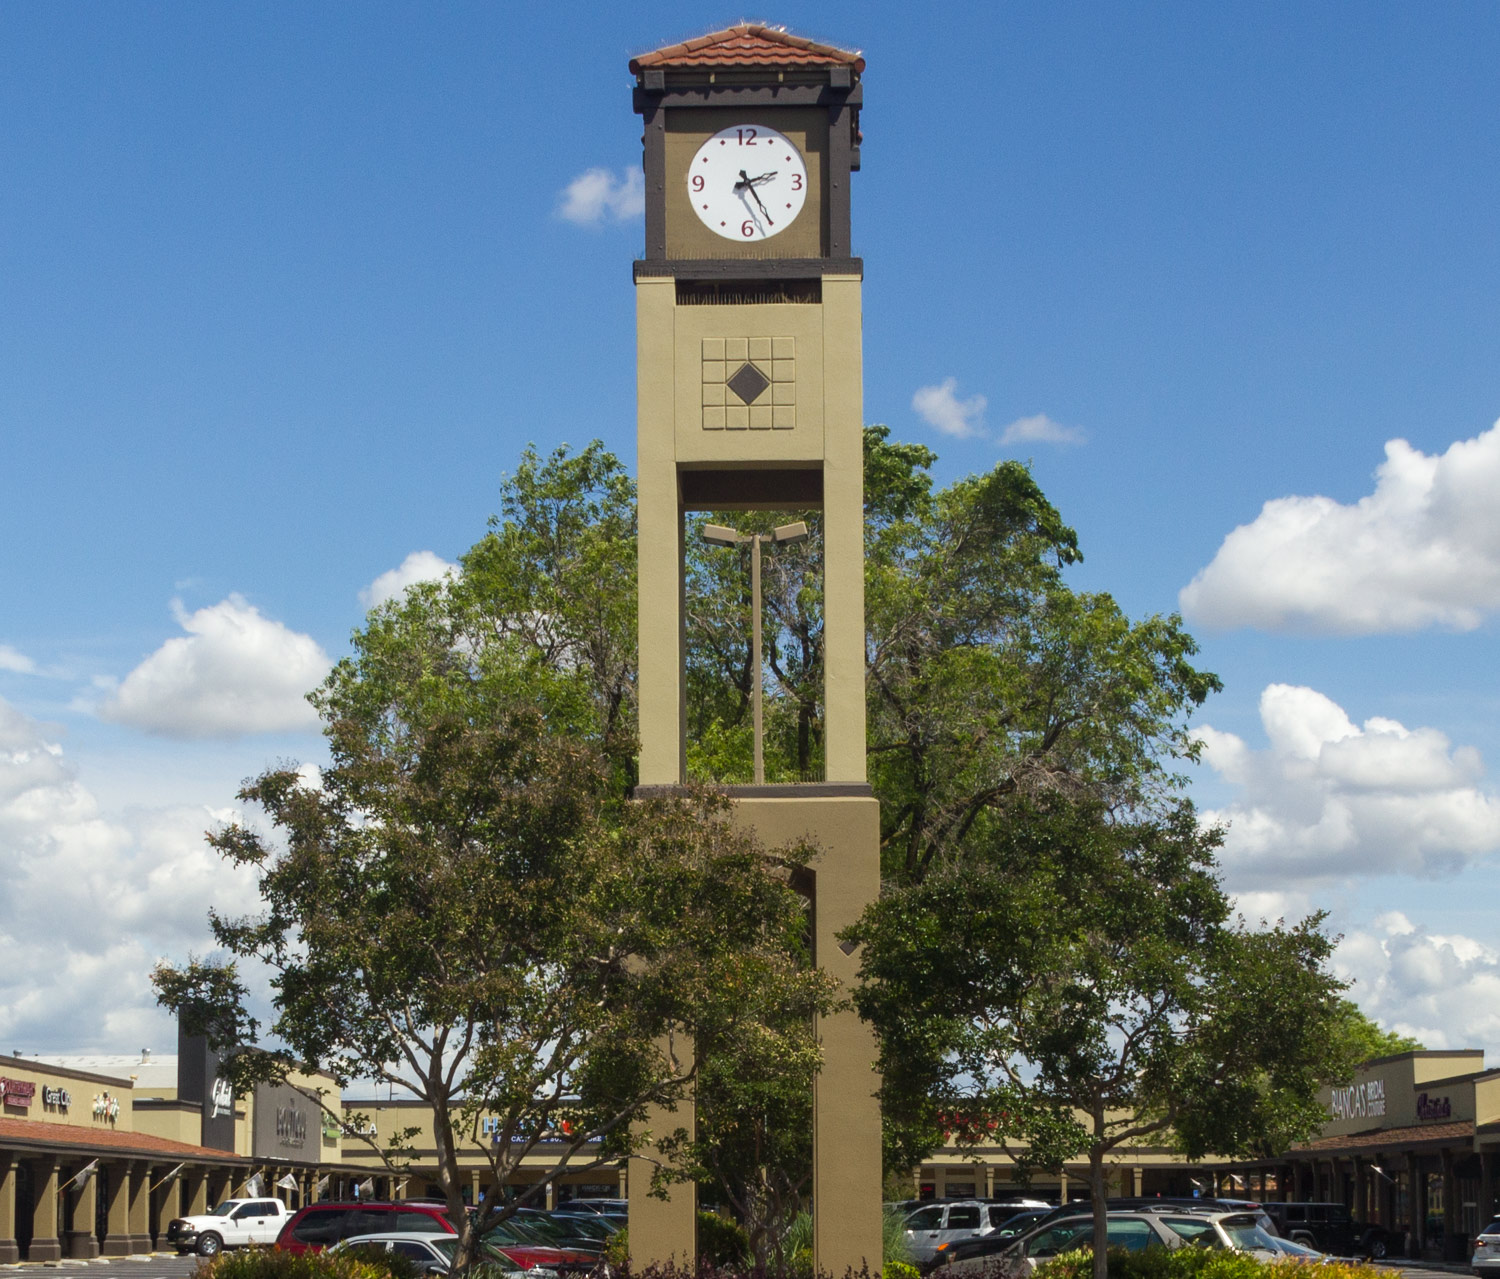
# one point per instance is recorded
(747, 228)
(747, 137)
(697, 182)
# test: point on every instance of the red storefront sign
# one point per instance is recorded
(17, 1092)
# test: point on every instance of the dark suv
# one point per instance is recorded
(1328, 1227)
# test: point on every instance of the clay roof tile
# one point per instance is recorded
(747, 44)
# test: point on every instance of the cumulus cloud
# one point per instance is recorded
(1444, 989)
(234, 672)
(1328, 796)
(597, 196)
(940, 407)
(419, 566)
(11, 660)
(1040, 429)
(1422, 550)
(92, 899)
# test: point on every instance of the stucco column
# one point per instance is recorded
(1417, 1199)
(9, 1251)
(1486, 1188)
(117, 1212)
(138, 1207)
(45, 1244)
(197, 1192)
(665, 1230)
(82, 1242)
(1451, 1249)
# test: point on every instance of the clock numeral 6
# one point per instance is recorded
(747, 228)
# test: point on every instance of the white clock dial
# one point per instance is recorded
(747, 182)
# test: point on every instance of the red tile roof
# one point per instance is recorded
(748, 45)
(100, 1141)
(1389, 1138)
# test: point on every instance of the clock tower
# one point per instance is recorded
(749, 397)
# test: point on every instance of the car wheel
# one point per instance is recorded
(1377, 1250)
(209, 1244)
(1302, 1237)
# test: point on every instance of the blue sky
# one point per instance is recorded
(285, 289)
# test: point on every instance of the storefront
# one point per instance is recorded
(77, 1179)
(1410, 1143)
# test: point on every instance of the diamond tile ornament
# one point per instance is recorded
(748, 382)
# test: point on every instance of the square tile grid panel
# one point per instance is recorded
(749, 384)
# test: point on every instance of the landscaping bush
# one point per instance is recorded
(273, 1263)
(721, 1241)
(1195, 1263)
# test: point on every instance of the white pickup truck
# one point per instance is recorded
(233, 1224)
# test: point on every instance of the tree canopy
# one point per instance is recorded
(461, 904)
(1076, 986)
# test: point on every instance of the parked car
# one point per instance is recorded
(434, 1252)
(611, 1207)
(1329, 1228)
(1136, 1231)
(994, 1242)
(1486, 1259)
(321, 1225)
(234, 1223)
(952, 1221)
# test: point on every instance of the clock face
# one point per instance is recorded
(747, 182)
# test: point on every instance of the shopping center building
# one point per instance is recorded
(1410, 1143)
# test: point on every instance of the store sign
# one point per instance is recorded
(291, 1126)
(1359, 1101)
(1433, 1107)
(57, 1098)
(106, 1108)
(17, 1092)
(221, 1099)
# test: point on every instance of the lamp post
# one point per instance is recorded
(785, 535)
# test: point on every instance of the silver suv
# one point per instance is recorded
(1132, 1231)
(933, 1226)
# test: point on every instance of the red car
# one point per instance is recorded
(320, 1225)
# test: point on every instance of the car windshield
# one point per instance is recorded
(447, 1245)
(925, 1219)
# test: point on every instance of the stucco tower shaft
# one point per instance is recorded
(750, 398)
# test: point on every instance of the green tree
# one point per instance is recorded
(1364, 1040)
(1075, 985)
(463, 906)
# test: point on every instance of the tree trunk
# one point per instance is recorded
(1101, 1210)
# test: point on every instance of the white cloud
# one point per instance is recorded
(92, 899)
(1328, 797)
(598, 196)
(234, 672)
(940, 407)
(1444, 989)
(419, 566)
(1422, 550)
(1040, 429)
(11, 660)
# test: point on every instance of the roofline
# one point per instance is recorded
(661, 58)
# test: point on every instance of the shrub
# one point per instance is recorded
(899, 1270)
(273, 1263)
(721, 1241)
(1195, 1263)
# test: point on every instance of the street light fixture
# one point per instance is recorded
(785, 535)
